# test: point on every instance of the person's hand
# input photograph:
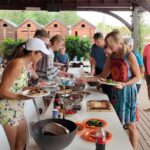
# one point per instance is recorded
(80, 81)
(101, 79)
(121, 85)
(92, 73)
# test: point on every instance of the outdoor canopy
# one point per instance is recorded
(57, 5)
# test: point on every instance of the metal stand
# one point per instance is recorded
(37, 109)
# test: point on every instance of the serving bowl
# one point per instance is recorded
(53, 142)
(73, 99)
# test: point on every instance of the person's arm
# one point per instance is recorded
(92, 61)
(140, 62)
(134, 68)
(142, 70)
(10, 74)
(102, 76)
(92, 64)
(57, 64)
(63, 73)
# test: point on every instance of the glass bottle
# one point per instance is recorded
(81, 71)
(100, 138)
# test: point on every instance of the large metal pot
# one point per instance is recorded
(53, 142)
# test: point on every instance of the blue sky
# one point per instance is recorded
(95, 17)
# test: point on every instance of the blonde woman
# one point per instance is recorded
(14, 79)
(124, 68)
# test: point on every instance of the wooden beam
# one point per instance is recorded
(143, 3)
(119, 18)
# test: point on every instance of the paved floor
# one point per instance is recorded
(144, 122)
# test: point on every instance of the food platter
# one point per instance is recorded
(47, 84)
(35, 92)
(99, 105)
(66, 91)
(93, 123)
(91, 136)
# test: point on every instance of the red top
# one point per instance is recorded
(146, 57)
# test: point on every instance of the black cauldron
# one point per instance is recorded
(53, 142)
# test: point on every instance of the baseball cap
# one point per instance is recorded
(36, 44)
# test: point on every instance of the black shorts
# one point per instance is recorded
(148, 79)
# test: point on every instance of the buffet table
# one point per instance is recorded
(120, 139)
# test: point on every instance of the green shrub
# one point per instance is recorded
(77, 46)
(7, 47)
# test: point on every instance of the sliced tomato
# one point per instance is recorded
(91, 136)
(70, 111)
(80, 126)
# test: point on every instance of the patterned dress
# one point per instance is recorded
(11, 111)
(124, 100)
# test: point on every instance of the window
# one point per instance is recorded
(83, 25)
(4, 25)
(55, 25)
(28, 25)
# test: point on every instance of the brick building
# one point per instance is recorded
(56, 27)
(27, 29)
(7, 29)
(83, 29)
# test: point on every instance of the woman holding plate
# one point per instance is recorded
(14, 79)
(124, 69)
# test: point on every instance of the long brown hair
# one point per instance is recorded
(20, 51)
(57, 38)
(115, 37)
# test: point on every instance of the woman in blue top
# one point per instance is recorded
(128, 41)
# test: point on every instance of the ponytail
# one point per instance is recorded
(20, 51)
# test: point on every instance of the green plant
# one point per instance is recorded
(7, 47)
(77, 46)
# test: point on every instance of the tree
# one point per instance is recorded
(42, 17)
(77, 46)
(7, 47)
(104, 28)
(140, 32)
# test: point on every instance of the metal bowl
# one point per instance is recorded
(78, 87)
(53, 142)
(73, 99)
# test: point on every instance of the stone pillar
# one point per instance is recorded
(135, 34)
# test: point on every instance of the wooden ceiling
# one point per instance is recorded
(58, 5)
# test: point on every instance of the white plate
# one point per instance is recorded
(26, 93)
(107, 83)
